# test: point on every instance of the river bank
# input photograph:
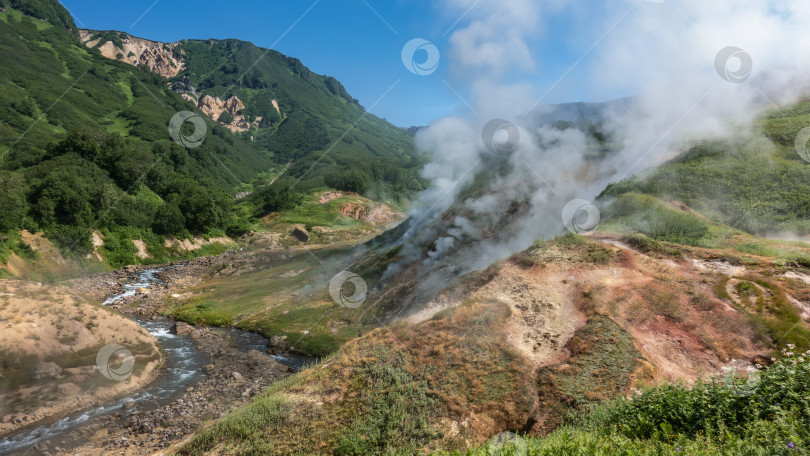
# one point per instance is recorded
(236, 368)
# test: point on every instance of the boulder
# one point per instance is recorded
(46, 370)
(277, 344)
(68, 390)
(237, 376)
(300, 233)
(181, 328)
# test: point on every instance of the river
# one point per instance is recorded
(183, 368)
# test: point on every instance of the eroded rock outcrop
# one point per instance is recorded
(159, 57)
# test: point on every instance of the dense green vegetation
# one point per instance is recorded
(767, 413)
(747, 182)
(325, 133)
(84, 142)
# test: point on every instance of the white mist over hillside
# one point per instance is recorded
(699, 70)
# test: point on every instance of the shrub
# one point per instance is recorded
(654, 218)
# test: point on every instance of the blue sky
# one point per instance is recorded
(342, 38)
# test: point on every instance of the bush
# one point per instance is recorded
(13, 206)
(225, 118)
(272, 198)
(654, 218)
(711, 418)
(715, 408)
(169, 220)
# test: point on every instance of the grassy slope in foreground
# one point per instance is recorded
(711, 418)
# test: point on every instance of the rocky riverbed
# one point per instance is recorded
(148, 301)
(234, 372)
(231, 379)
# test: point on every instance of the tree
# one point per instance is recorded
(226, 118)
(12, 204)
(169, 220)
(271, 198)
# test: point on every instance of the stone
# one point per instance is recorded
(237, 376)
(68, 390)
(181, 328)
(277, 344)
(46, 370)
(300, 233)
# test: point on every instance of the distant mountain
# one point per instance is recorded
(578, 112)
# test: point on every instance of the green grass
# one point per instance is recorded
(311, 213)
(775, 319)
(384, 393)
(261, 301)
(387, 414)
(651, 246)
(602, 361)
(637, 213)
(711, 418)
(570, 246)
(754, 181)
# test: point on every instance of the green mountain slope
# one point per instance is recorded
(85, 143)
(365, 153)
(756, 185)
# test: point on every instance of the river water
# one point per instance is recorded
(184, 368)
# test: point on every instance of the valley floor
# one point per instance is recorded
(586, 320)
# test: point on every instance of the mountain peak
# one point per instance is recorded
(46, 10)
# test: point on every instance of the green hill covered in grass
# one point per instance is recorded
(754, 182)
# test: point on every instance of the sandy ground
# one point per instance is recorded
(44, 324)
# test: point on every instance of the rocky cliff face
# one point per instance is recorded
(159, 57)
(214, 107)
